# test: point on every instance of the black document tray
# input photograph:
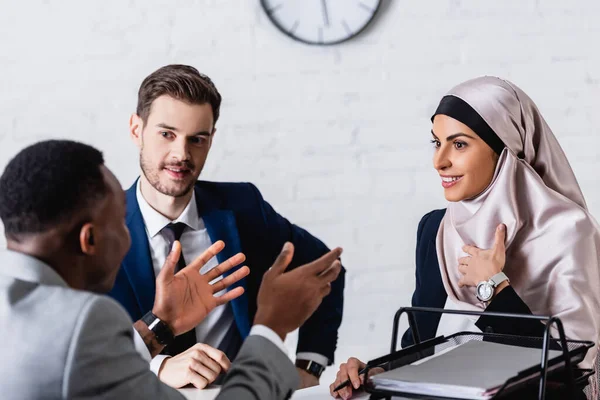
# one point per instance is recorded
(558, 375)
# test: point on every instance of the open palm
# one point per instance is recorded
(186, 298)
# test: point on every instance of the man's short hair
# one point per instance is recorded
(181, 82)
(47, 184)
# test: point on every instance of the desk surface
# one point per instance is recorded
(314, 393)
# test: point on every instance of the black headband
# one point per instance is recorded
(458, 109)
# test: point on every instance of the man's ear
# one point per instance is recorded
(136, 126)
(86, 240)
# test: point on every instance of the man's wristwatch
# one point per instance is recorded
(161, 331)
(485, 289)
(311, 367)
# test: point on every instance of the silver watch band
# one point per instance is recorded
(498, 279)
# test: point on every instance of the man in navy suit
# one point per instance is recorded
(174, 126)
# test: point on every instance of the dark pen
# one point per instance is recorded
(407, 355)
(347, 381)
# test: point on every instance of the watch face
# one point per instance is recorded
(485, 291)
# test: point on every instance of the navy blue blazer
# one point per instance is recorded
(430, 292)
(237, 214)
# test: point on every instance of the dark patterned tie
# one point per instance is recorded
(186, 340)
(173, 232)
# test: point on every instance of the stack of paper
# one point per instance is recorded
(474, 370)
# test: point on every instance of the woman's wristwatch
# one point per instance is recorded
(485, 289)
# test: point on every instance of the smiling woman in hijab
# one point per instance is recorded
(516, 215)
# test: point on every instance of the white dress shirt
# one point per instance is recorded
(194, 241)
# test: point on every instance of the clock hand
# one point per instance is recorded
(325, 13)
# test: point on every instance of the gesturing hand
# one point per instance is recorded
(287, 299)
(184, 299)
(481, 265)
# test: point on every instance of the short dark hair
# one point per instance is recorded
(181, 82)
(49, 183)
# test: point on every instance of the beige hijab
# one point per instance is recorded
(552, 241)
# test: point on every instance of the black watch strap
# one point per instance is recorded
(311, 367)
(161, 330)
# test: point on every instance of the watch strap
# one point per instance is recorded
(311, 367)
(498, 279)
(161, 331)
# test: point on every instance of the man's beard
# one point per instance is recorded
(152, 176)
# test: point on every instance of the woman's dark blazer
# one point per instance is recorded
(430, 292)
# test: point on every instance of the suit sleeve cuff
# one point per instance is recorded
(508, 301)
(267, 333)
(315, 357)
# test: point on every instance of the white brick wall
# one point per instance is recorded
(336, 138)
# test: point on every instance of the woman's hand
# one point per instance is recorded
(349, 371)
(481, 265)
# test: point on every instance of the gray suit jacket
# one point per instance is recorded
(61, 343)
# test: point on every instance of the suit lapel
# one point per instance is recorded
(221, 225)
(138, 263)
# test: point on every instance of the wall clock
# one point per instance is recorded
(321, 22)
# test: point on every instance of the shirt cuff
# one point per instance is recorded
(140, 346)
(157, 362)
(267, 333)
(315, 357)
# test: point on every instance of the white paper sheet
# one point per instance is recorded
(314, 393)
(321, 392)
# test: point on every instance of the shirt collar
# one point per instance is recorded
(155, 221)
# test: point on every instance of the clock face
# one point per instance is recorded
(321, 22)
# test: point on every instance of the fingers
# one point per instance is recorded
(208, 374)
(230, 279)
(472, 250)
(195, 378)
(462, 268)
(339, 393)
(342, 376)
(283, 259)
(205, 365)
(332, 273)
(217, 355)
(499, 238)
(230, 295)
(331, 392)
(353, 366)
(225, 266)
(168, 268)
(321, 264)
(201, 357)
(206, 256)
(464, 260)
(462, 282)
(345, 392)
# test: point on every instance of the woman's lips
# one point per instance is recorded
(449, 181)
